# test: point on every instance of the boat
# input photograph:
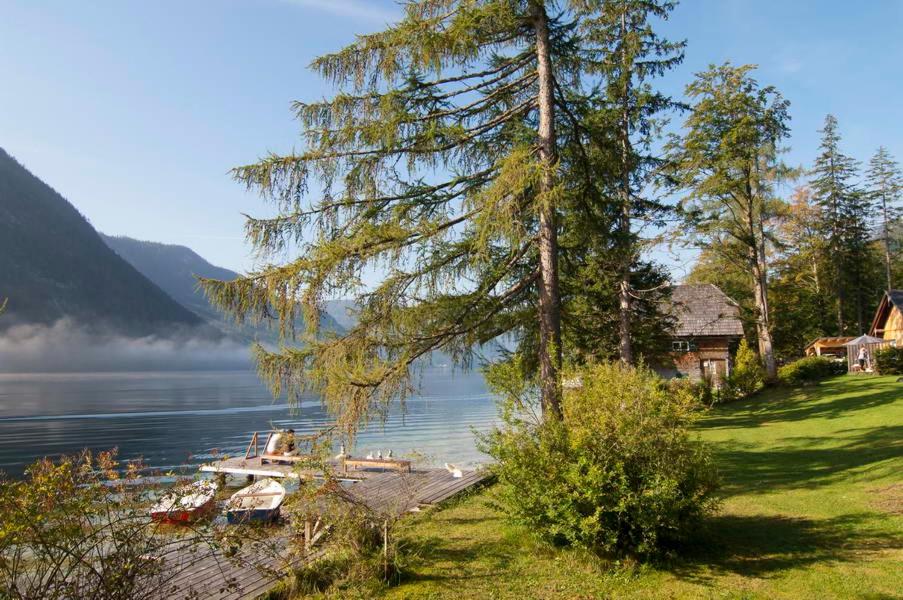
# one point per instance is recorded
(257, 503)
(186, 503)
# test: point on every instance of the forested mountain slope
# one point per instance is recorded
(54, 265)
(174, 268)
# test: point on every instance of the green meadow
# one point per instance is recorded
(812, 508)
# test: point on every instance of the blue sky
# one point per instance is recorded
(135, 111)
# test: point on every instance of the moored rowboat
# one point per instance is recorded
(259, 502)
(186, 503)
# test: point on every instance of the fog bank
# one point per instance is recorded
(67, 346)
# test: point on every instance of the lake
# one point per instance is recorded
(176, 419)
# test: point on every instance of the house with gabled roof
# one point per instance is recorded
(707, 331)
(888, 321)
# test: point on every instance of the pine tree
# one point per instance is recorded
(885, 183)
(801, 268)
(633, 54)
(445, 163)
(728, 161)
(844, 212)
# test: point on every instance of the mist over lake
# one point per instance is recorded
(175, 419)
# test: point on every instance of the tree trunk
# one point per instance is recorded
(624, 301)
(625, 345)
(819, 299)
(840, 268)
(549, 297)
(890, 282)
(766, 346)
(840, 327)
(763, 321)
(759, 264)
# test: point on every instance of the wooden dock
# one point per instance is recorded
(256, 467)
(263, 467)
(212, 575)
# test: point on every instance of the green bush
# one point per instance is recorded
(746, 378)
(621, 473)
(702, 391)
(889, 361)
(809, 369)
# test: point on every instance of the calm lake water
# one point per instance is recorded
(174, 419)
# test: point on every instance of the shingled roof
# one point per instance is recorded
(702, 310)
(896, 298)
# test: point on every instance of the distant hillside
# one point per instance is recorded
(343, 312)
(53, 264)
(174, 268)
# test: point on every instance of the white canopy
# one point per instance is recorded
(864, 340)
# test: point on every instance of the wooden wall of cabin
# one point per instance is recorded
(713, 352)
(893, 327)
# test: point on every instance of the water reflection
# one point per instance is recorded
(173, 419)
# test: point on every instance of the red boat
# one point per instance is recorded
(186, 503)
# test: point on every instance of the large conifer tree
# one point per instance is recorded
(885, 187)
(633, 54)
(729, 161)
(798, 297)
(845, 210)
(438, 164)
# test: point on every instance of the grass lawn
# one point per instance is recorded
(813, 508)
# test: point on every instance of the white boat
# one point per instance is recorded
(259, 502)
(186, 503)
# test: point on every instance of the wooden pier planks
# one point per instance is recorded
(399, 493)
(212, 575)
(220, 578)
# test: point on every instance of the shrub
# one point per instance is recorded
(747, 376)
(809, 369)
(364, 552)
(702, 391)
(621, 473)
(889, 361)
(78, 528)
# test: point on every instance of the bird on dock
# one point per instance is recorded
(389, 453)
(455, 471)
(369, 456)
(342, 453)
(379, 454)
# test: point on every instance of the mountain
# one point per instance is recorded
(53, 264)
(343, 311)
(174, 268)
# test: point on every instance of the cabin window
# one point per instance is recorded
(680, 346)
